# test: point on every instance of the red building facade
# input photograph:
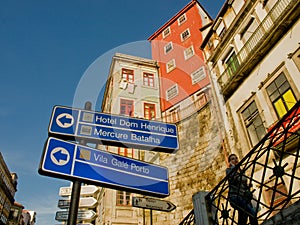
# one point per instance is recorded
(176, 48)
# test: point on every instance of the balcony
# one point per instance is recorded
(183, 113)
(268, 33)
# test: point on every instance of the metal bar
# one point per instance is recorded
(151, 219)
(76, 188)
(75, 196)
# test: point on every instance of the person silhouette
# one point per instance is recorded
(239, 194)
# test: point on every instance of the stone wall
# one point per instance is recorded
(199, 164)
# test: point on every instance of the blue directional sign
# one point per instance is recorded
(69, 124)
(71, 161)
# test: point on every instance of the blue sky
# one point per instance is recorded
(58, 53)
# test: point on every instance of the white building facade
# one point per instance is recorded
(253, 52)
(252, 47)
(132, 90)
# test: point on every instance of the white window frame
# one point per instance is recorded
(171, 65)
(181, 19)
(198, 75)
(186, 53)
(185, 37)
(168, 47)
(169, 92)
(148, 79)
(166, 32)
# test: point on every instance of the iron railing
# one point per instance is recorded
(189, 219)
(183, 113)
(273, 169)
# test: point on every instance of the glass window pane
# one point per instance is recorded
(253, 123)
(271, 89)
(280, 109)
(246, 114)
(280, 80)
(284, 87)
(261, 132)
(274, 96)
(257, 121)
(281, 95)
(289, 99)
(252, 135)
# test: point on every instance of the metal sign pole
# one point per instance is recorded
(151, 217)
(73, 211)
(75, 196)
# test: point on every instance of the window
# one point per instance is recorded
(126, 107)
(253, 123)
(148, 79)
(127, 75)
(173, 115)
(128, 152)
(189, 52)
(13, 214)
(166, 32)
(281, 95)
(170, 65)
(149, 111)
(270, 3)
(198, 75)
(123, 198)
(249, 29)
(210, 44)
(181, 19)
(172, 92)
(232, 64)
(185, 35)
(222, 32)
(168, 47)
(219, 27)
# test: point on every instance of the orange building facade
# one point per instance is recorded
(175, 46)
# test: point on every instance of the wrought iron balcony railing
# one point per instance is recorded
(273, 169)
(189, 219)
(183, 113)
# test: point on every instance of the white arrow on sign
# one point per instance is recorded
(86, 215)
(152, 203)
(65, 120)
(88, 202)
(86, 190)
